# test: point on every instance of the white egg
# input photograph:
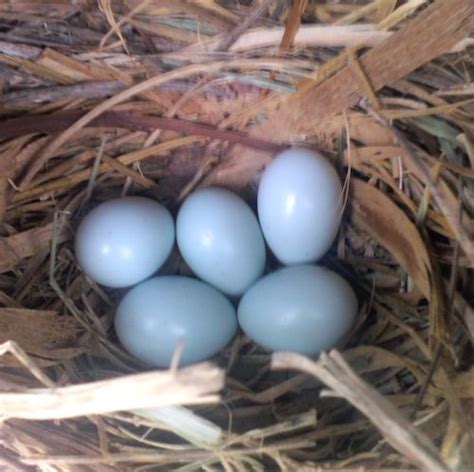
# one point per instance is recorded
(123, 241)
(219, 237)
(305, 309)
(156, 314)
(299, 206)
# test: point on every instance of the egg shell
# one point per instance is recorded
(219, 237)
(299, 206)
(305, 309)
(154, 315)
(125, 240)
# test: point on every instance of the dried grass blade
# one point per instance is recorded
(452, 212)
(398, 431)
(376, 213)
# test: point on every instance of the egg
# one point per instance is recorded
(219, 237)
(125, 240)
(154, 315)
(299, 206)
(305, 309)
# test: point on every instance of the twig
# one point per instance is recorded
(197, 384)
(293, 24)
(134, 121)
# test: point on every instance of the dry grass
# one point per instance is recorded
(101, 99)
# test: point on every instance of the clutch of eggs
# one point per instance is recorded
(302, 308)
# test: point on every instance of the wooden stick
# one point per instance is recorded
(192, 385)
(292, 26)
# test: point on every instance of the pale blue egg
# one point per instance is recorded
(154, 315)
(219, 237)
(124, 241)
(299, 206)
(305, 309)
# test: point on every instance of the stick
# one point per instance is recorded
(292, 26)
(192, 385)
(134, 121)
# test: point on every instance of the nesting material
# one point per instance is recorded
(130, 97)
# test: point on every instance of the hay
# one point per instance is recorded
(101, 99)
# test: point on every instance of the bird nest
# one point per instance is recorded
(155, 98)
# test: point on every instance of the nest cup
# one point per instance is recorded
(99, 100)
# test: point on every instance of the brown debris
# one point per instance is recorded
(41, 333)
(15, 248)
